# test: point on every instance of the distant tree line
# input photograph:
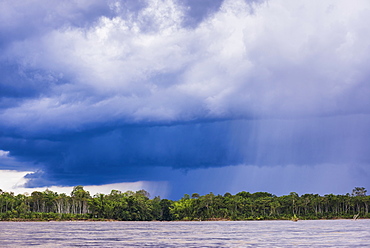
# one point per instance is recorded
(137, 206)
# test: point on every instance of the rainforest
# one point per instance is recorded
(138, 206)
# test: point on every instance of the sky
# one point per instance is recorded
(185, 96)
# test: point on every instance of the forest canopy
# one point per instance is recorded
(138, 206)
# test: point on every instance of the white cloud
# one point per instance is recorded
(11, 179)
(14, 181)
(275, 58)
(4, 153)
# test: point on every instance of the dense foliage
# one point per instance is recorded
(136, 206)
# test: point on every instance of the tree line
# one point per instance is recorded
(137, 206)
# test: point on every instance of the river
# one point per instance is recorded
(309, 233)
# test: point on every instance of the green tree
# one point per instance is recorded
(359, 191)
(80, 199)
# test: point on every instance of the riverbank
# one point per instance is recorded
(207, 220)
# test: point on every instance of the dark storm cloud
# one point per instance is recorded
(98, 92)
(142, 153)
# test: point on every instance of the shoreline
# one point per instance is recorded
(111, 220)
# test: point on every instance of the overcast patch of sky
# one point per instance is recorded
(131, 85)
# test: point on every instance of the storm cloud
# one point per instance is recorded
(120, 91)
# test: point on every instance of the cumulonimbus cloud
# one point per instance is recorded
(279, 59)
(89, 69)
